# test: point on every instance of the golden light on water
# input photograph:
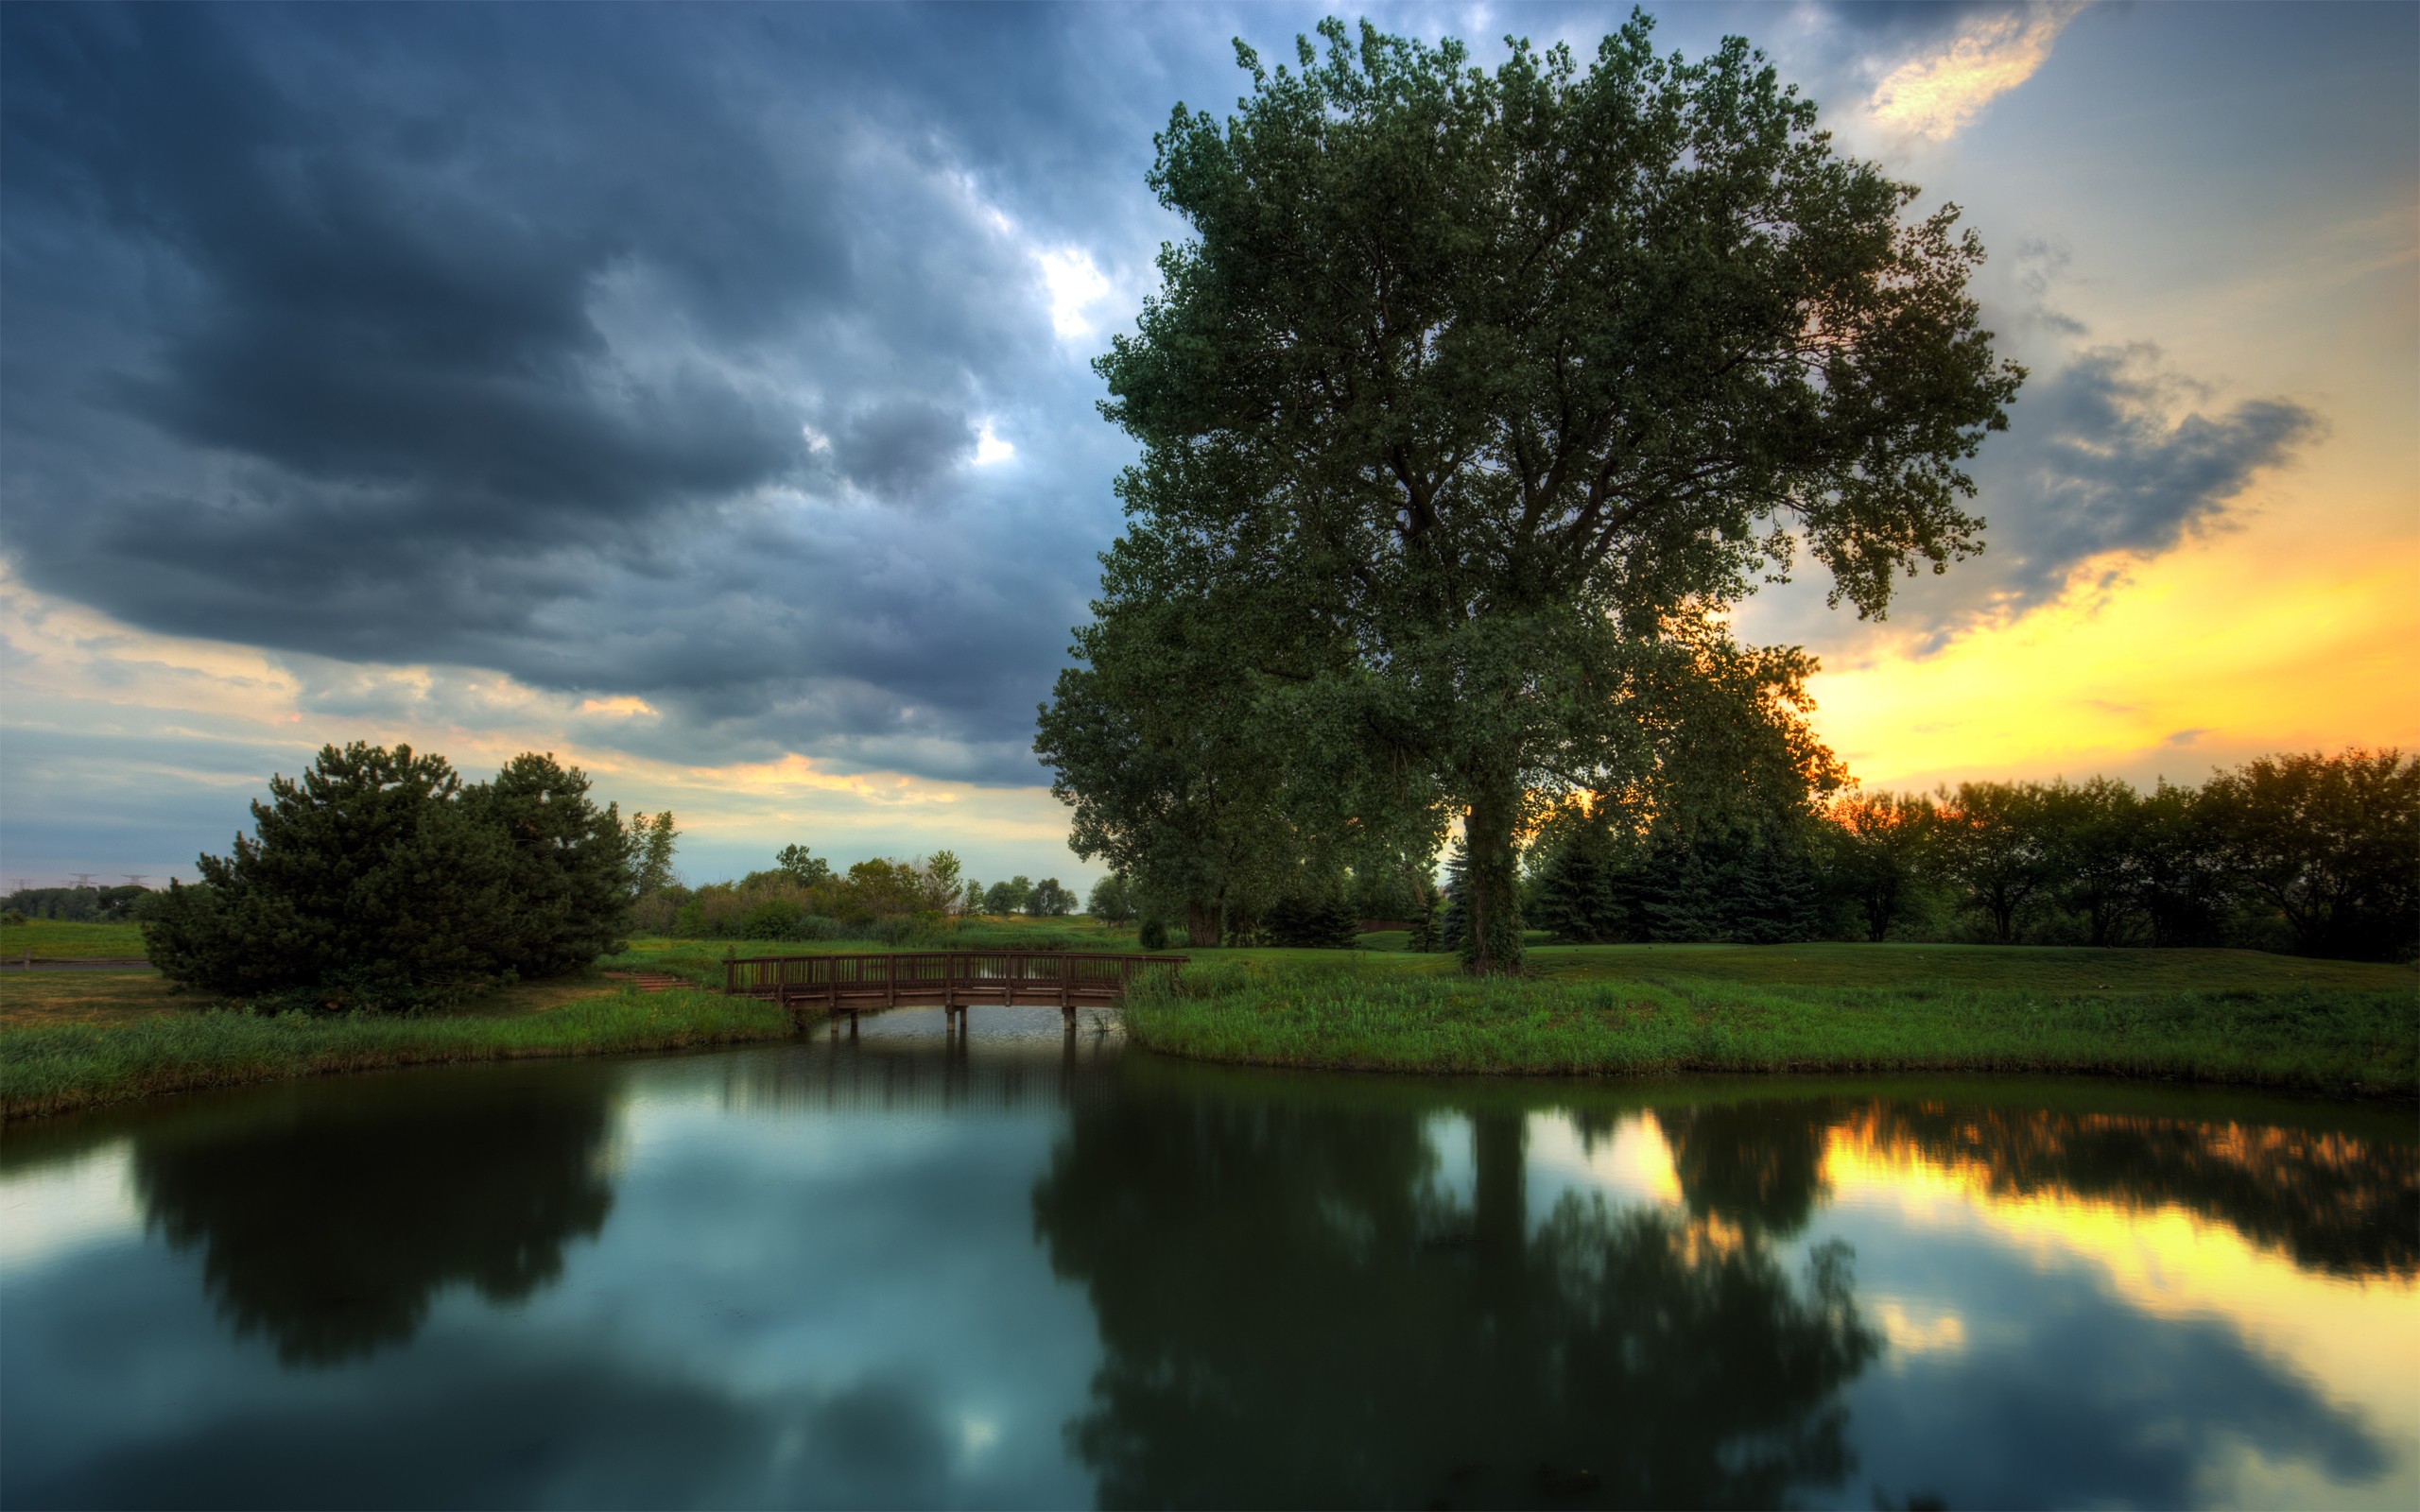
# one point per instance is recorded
(2353, 1342)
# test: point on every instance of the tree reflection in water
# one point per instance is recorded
(329, 1228)
(1295, 1312)
(2334, 1202)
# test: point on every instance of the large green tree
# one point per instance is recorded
(1491, 372)
(573, 870)
(1153, 740)
(367, 881)
(377, 880)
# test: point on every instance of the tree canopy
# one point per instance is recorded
(378, 880)
(1473, 384)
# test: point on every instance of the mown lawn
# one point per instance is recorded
(2219, 1016)
(49, 938)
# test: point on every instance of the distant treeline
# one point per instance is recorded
(77, 905)
(2311, 853)
(882, 899)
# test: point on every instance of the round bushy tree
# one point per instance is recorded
(367, 883)
(377, 880)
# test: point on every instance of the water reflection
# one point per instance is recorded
(327, 1225)
(1034, 1271)
(2331, 1201)
(1295, 1311)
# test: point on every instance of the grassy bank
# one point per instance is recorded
(49, 939)
(52, 1068)
(2218, 1018)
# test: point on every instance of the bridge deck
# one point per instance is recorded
(1066, 980)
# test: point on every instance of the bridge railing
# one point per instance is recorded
(949, 977)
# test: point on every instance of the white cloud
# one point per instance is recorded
(1075, 285)
(988, 448)
(1941, 93)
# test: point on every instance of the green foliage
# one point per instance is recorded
(1048, 899)
(2331, 843)
(569, 875)
(1580, 896)
(1992, 844)
(806, 870)
(882, 899)
(1111, 901)
(1007, 897)
(1469, 384)
(1312, 923)
(1881, 852)
(653, 841)
(81, 905)
(374, 880)
(1153, 935)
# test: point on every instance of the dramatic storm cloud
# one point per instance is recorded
(705, 390)
(604, 355)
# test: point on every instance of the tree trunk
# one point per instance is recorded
(1202, 924)
(1492, 928)
(1499, 1197)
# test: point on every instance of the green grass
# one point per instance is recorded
(73, 1038)
(49, 937)
(53, 1068)
(2216, 1016)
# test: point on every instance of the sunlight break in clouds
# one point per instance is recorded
(1075, 283)
(1940, 96)
(988, 448)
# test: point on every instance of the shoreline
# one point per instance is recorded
(50, 1070)
(2345, 1033)
(2348, 1044)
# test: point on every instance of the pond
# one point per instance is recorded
(1036, 1270)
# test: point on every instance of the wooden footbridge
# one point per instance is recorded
(951, 980)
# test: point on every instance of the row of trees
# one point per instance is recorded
(2309, 852)
(880, 897)
(801, 898)
(380, 880)
(1473, 404)
(76, 905)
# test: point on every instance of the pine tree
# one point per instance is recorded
(367, 883)
(571, 872)
(1579, 895)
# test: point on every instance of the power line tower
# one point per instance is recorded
(83, 879)
(135, 879)
(23, 883)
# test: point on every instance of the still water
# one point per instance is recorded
(1029, 1271)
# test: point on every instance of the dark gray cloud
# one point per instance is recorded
(638, 350)
(2108, 470)
(578, 345)
(2110, 459)
(1910, 19)
(899, 450)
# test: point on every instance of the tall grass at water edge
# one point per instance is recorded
(1350, 1016)
(53, 1069)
